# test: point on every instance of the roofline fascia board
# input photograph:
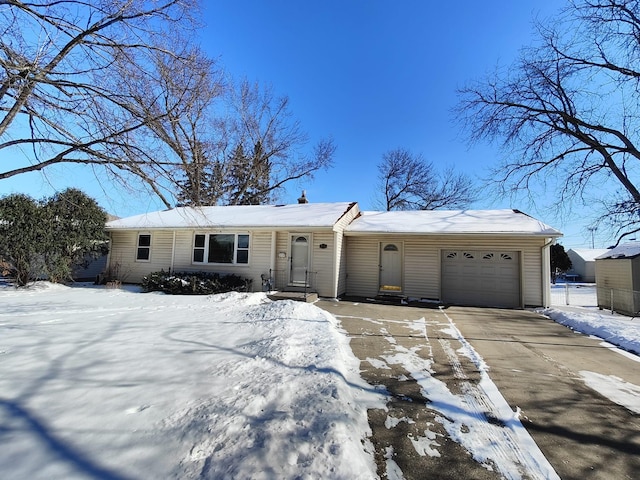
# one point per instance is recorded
(351, 205)
(440, 234)
(288, 228)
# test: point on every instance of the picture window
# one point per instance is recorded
(225, 248)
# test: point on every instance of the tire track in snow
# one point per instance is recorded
(474, 414)
(494, 433)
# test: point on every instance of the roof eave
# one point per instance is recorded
(253, 228)
(352, 233)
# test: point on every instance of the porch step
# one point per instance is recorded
(297, 296)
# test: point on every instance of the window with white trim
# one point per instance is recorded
(143, 252)
(227, 248)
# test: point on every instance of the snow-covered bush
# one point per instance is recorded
(194, 283)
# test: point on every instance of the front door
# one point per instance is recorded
(299, 259)
(390, 267)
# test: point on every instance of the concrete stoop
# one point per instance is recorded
(297, 296)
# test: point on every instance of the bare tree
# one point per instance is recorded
(119, 86)
(174, 99)
(252, 147)
(207, 141)
(408, 182)
(61, 95)
(269, 148)
(567, 112)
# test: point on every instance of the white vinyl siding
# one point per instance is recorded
(322, 264)
(619, 276)
(281, 272)
(124, 249)
(340, 257)
(362, 265)
(341, 265)
(422, 265)
(421, 261)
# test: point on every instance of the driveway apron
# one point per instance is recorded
(534, 362)
(540, 366)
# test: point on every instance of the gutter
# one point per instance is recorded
(546, 272)
(235, 228)
(108, 267)
(173, 251)
(440, 234)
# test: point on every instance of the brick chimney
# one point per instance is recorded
(303, 197)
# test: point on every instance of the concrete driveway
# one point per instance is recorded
(536, 365)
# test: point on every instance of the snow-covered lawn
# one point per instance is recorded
(115, 384)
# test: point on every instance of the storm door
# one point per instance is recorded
(299, 259)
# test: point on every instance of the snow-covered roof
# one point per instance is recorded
(307, 215)
(441, 222)
(588, 254)
(626, 250)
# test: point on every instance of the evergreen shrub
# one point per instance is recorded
(194, 283)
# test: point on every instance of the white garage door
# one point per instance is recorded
(482, 278)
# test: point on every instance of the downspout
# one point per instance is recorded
(173, 252)
(546, 272)
(272, 262)
(108, 268)
(336, 262)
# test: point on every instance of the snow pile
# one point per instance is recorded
(616, 329)
(117, 384)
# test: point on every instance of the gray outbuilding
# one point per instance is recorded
(618, 279)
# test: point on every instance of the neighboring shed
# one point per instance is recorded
(297, 246)
(583, 263)
(468, 257)
(618, 279)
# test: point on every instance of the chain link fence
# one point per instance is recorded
(574, 294)
(589, 295)
(619, 300)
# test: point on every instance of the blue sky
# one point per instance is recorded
(375, 75)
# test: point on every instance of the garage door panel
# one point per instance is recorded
(484, 278)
